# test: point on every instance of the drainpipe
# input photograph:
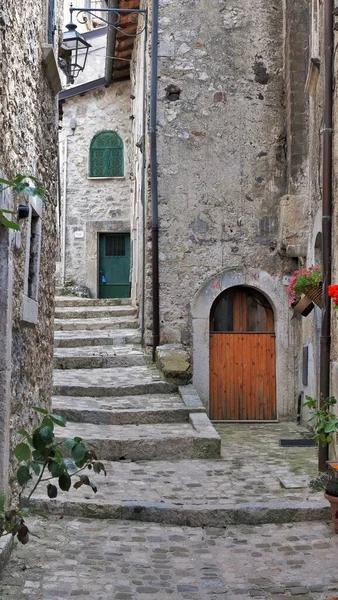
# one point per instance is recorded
(143, 185)
(327, 131)
(111, 40)
(64, 214)
(153, 177)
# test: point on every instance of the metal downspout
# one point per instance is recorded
(153, 178)
(111, 40)
(143, 187)
(325, 339)
(64, 214)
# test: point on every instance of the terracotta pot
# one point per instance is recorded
(334, 509)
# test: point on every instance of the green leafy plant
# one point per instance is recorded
(301, 281)
(324, 421)
(21, 183)
(39, 454)
(326, 482)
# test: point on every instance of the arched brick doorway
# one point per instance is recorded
(242, 357)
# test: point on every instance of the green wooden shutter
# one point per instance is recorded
(106, 155)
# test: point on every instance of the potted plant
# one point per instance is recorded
(307, 281)
(326, 428)
(328, 483)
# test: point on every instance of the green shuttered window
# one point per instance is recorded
(106, 155)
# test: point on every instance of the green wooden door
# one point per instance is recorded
(114, 265)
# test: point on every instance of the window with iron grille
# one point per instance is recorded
(106, 155)
(115, 245)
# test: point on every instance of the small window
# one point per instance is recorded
(106, 155)
(242, 309)
(115, 245)
(51, 21)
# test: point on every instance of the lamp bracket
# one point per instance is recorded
(81, 16)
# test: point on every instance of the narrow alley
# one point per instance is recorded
(173, 518)
(168, 300)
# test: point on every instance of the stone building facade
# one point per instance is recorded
(29, 82)
(93, 204)
(223, 172)
(239, 107)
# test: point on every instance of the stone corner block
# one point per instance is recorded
(174, 362)
(190, 397)
(6, 547)
(202, 424)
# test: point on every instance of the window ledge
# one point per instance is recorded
(119, 178)
(51, 68)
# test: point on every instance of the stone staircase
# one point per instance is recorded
(109, 393)
(161, 452)
(114, 398)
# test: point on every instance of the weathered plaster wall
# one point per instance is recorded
(28, 144)
(220, 147)
(223, 167)
(93, 205)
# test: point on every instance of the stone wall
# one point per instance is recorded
(223, 166)
(28, 144)
(221, 148)
(92, 205)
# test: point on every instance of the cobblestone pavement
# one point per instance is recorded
(104, 560)
(250, 470)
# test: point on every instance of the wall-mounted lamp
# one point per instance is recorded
(73, 52)
(74, 48)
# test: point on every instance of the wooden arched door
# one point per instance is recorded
(242, 357)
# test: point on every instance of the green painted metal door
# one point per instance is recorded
(114, 265)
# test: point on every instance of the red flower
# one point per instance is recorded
(332, 290)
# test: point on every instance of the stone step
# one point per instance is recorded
(111, 337)
(156, 441)
(126, 410)
(95, 324)
(86, 302)
(194, 493)
(110, 382)
(95, 357)
(91, 312)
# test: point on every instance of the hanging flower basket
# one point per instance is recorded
(304, 306)
(315, 294)
(307, 282)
